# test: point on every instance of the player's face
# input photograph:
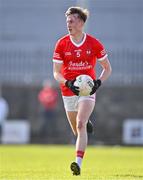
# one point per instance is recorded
(74, 24)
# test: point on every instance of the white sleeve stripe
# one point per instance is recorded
(57, 61)
(101, 59)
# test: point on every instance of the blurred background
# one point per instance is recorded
(31, 107)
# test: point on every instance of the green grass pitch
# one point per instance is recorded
(43, 162)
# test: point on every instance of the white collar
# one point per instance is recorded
(78, 45)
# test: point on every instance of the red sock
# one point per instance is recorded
(80, 154)
(79, 157)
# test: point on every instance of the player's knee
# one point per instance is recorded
(80, 124)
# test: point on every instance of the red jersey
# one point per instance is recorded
(78, 59)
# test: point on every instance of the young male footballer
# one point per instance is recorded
(76, 54)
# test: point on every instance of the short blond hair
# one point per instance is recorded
(82, 13)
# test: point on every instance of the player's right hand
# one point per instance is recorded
(70, 85)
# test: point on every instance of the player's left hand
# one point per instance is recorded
(97, 84)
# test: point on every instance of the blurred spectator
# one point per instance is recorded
(4, 110)
(48, 97)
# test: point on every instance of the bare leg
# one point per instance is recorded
(85, 109)
(71, 115)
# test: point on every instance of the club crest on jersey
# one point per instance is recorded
(88, 52)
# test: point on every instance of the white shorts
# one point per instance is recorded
(71, 102)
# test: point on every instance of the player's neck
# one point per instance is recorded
(78, 38)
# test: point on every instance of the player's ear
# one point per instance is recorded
(81, 23)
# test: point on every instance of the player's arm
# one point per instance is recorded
(57, 73)
(59, 77)
(106, 69)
